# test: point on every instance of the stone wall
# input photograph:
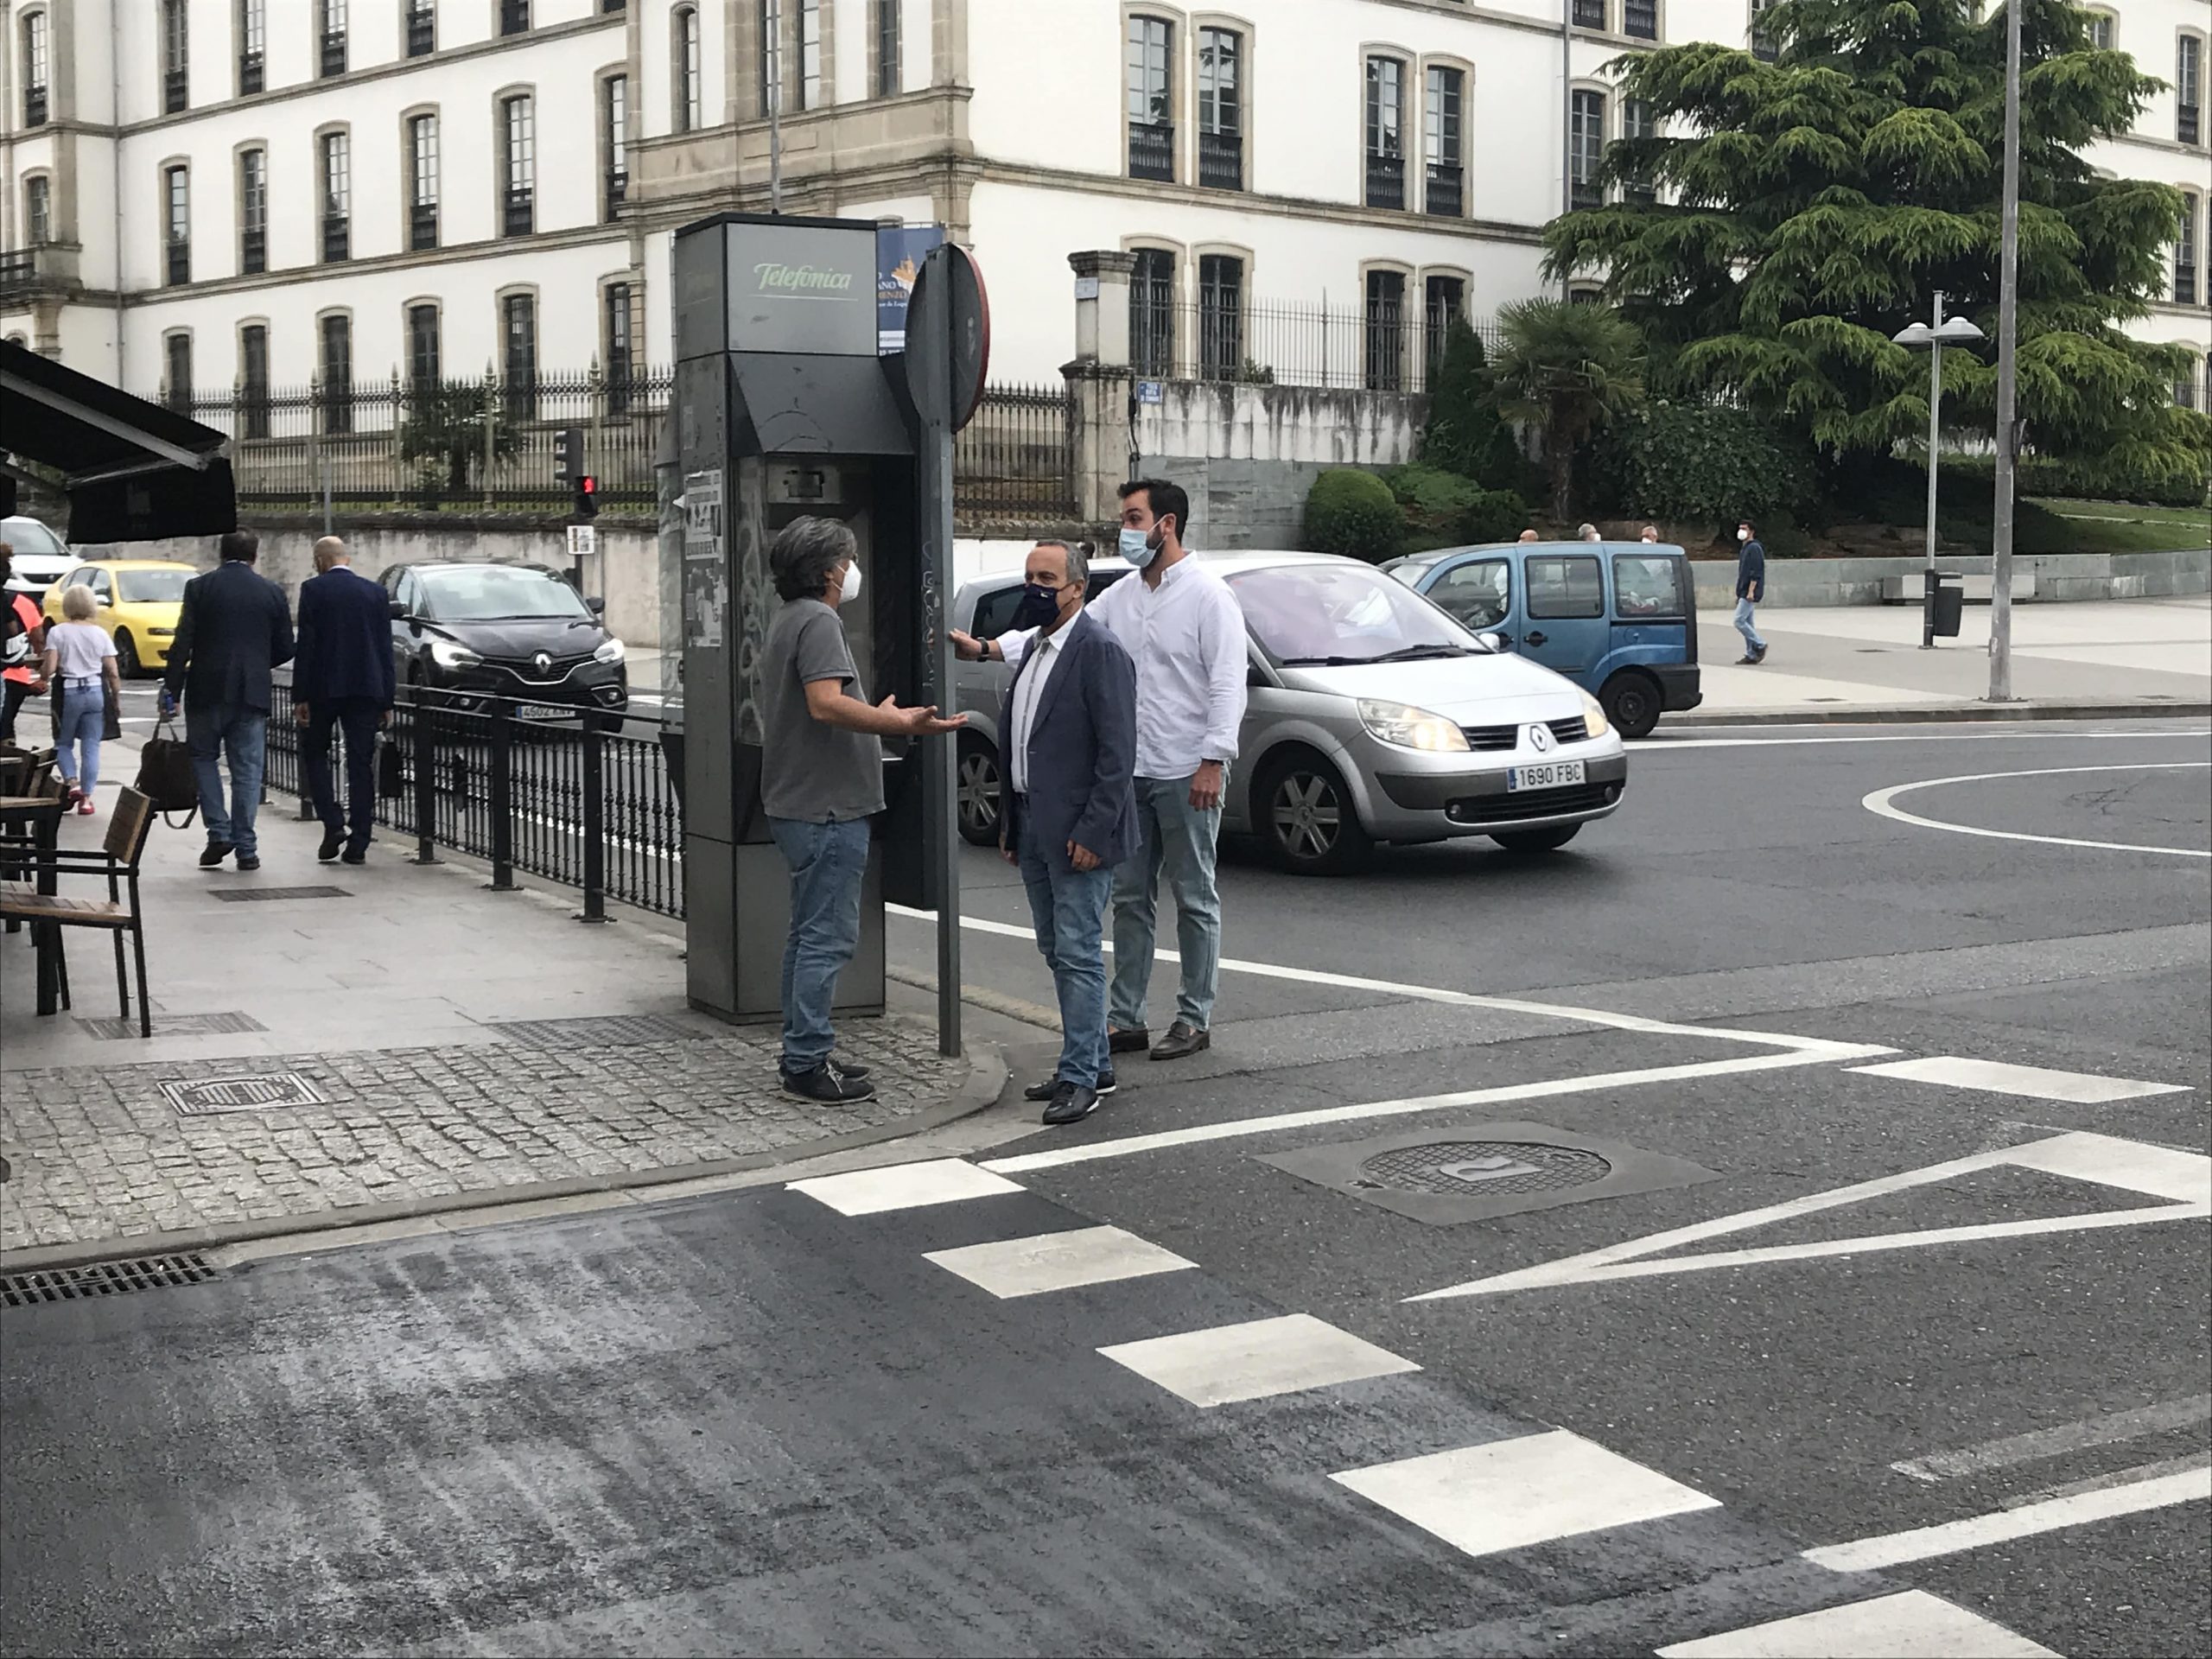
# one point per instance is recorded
(2057, 575)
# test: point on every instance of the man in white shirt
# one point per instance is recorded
(1182, 627)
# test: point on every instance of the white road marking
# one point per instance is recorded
(1880, 801)
(1031, 1267)
(1995, 1077)
(1977, 1532)
(1531, 1490)
(2128, 1477)
(2183, 1179)
(2054, 1442)
(1661, 745)
(903, 1187)
(1911, 1624)
(1255, 1360)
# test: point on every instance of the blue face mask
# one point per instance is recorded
(1039, 607)
(1136, 547)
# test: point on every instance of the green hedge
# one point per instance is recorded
(1443, 509)
(1688, 464)
(2086, 480)
(1354, 512)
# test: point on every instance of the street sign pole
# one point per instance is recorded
(1935, 439)
(2008, 320)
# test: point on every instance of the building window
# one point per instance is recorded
(2101, 35)
(1443, 301)
(422, 27)
(1152, 106)
(421, 182)
(518, 339)
(2189, 88)
(1152, 313)
(253, 211)
(1637, 122)
(338, 373)
(176, 191)
(337, 196)
(38, 210)
(1640, 19)
(330, 31)
(518, 164)
(1586, 294)
(2185, 253)
(889, 74)
(772, 95)
(615, 123)
(34, 69)
(1221, 108)
(514, 16)
(253, 42)
(810, 54)
(422, 370)
(1386, 331)
(176, 58)
(177, 390)
(1590, 14)
(253, 381)
(1386, 132)
(1441, 136)
(622, 358)
(684, 116)
(1764, 47)
(1585, 146)
(1221, 317)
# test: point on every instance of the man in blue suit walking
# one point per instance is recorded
(1070, 725)
(343, 678)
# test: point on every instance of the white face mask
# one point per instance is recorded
(1743, 535)
(849, 589)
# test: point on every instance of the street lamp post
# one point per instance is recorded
(1934, 334)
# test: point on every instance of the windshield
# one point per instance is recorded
(29, 536)
(490, 592)
(1336, 614)
(151, 587)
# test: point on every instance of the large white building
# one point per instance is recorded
(221, 193)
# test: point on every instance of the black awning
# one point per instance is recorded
(134, 470)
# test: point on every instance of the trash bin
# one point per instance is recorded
(1945, 600)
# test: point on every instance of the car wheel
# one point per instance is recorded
(1536, 841)
(126, 654)
(1632, 702)
(979, 786)
(1307, 818)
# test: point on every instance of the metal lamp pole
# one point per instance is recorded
(2008, 328)
(1934, 334)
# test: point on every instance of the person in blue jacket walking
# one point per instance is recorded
(1751, 584)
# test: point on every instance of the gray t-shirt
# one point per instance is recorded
(812, 772)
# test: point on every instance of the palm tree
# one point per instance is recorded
(1566, 369)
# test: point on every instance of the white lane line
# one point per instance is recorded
(1032, 1267)
(2053, 1442)
(2114, 1477)
(1978, 1532)
(1881, 802)
(1662, 745)
(1532, 1489)
(1996, 1078)
(1911, 1624)
(903, 1187)
(1255, 1360)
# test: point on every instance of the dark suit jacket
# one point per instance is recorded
(235, 627)
(345, 640)
(1082, 750)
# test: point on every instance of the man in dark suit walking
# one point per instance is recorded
(235, 627)
(342, 678)
(1071, 737)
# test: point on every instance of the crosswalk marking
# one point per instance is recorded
(1911, 1624)
(1509, 1493)
(904, 1186)
(1029, 1266)
(1227, 1362)
(1996, 1078)
(1979, 1531)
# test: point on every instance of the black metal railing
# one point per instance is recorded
(518, 215)
(1586, 192)
(2185, 125)
(1272, 342)
(1386, 180)
(333, 52)
(618, 189)
(250, 73)
(422, 32)
(253, 251)
(1640, 19)
(180, 261)
(2185, 283)
(514, 16)
(422, 225)
(1446, 196)
(337, 237)
(1152, 150)
(34, 106)
(1589, 14)
(1221, 161)
(18, 272)
(1014, 462)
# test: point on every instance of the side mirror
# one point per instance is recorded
(1255, 675)
(1495, 641)
(103, 599)
(597, 606)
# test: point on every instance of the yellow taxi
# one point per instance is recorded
(139, 601)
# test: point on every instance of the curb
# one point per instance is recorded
(987, 1075)
(1956, 713)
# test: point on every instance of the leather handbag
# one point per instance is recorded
(111, 717)
(391, 776)
(165, 775)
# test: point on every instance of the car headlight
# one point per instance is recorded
(446, 654)
(612, 652)
(1593, 717)
(1409, 727)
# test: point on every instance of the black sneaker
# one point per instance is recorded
(355, 855)
(214, 854)
(1758, 657)
(1746, 661)
(828, 1086)
(334, 842)
(1044, 1091)
(848, 1071)
(249, 861)
(1071, 1104)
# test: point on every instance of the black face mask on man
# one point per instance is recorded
(1039, 607)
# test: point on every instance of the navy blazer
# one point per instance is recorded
(1082, 751)
(345, 640)
(234, 628)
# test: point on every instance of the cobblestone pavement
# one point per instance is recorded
(101, 1153)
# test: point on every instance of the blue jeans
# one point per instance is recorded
(83, 717)
(829, 862)
(1752, 644)
(240, 735)
(1178, 837)
(1069, 907)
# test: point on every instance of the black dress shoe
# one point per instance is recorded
(1050, 1086)
(334, 842)
(354, 855)
(249, 861)
(1183, 1038)
(1071, 1103)
(214, 854)
(1128, 1042)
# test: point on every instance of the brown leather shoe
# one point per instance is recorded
(1183, 1038)
(1127, 1042)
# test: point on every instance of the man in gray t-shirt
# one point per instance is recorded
(821, 779)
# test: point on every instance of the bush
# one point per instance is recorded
(1689, 464)
(1353, 513)
(1466, 433)
(2082, 481)
(1885, 490)
(1442, 509)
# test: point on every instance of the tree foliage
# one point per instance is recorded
(1687, 463)
(445, 427)
(1352, 512)
(1818, 201)
(1567, 370)
(1466, 433)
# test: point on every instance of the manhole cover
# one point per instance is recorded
(252, 1094)
(596, 1031)
(176, 1025)
(102, 1279)
(252, 895)
(1484, 1168)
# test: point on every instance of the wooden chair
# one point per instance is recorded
(117, 860)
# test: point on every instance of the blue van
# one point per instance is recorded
(1619, 619)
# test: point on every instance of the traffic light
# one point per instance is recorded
(587, 502)
(568, 454)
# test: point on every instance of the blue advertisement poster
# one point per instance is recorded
(899, 250)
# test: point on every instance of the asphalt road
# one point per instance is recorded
(757, 1423)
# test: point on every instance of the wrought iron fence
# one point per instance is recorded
(1015, 462)
(1386, 347)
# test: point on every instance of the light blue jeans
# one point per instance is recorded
(233, 732)
(84, 716)
(1174, 836)
(1069, 909)
(829, 863)
(1752, 644)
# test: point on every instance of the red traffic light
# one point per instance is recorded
(588, 484)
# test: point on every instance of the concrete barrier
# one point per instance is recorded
(2054, 576)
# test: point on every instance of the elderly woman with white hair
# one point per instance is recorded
(80, 662)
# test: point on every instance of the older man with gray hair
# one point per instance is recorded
(821, 780)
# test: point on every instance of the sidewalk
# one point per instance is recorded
(2136, 656)
(396, 994)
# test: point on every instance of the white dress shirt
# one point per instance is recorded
(1028, 693)
(1186, 638)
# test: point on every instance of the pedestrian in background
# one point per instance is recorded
(1750, 582)
(23, 638)
(233, 629)
(1589, 533)
(821, 781)
(1529, 535)
(80, 661)
(342, 680)
(1070, 817)
(1650, 533)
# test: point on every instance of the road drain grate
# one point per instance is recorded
(102, 1279)
(202, 1096)
(600, 1031)
(250, 895)
(176, 1025)
(1484, 1168)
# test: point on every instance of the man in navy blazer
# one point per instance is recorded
(1069, 731)
(343, 678)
